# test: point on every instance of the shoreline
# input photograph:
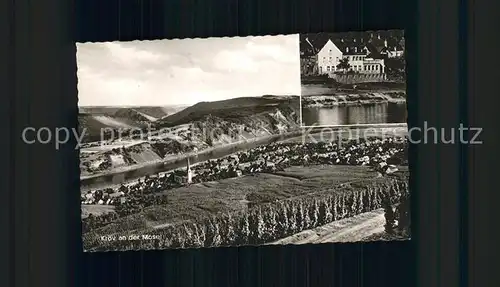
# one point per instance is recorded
(353, 103)
(356, 98)
(181, 157)
(297, 135)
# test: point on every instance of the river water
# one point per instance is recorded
(379, 113)
(103, 181)
(365, 114)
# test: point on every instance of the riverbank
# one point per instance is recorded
(233, 147)
(352, 99)
(306, 135)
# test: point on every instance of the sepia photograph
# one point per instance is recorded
(353, 78)
(234, 141)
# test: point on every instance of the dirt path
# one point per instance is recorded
(352, 229)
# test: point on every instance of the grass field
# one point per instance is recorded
(96, 209)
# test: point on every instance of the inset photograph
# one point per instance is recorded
(353, 78)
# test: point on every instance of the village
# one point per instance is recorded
(383, 155)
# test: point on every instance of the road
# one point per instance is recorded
(352, 229)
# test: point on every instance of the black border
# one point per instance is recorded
(454, 186)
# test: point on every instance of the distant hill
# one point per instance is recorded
(151, 111)
(95, 119)
(232, 108)
(159, 112)
(94, 124)
(133, 114)
(204, 125)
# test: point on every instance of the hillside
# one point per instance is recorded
(199, 127)
(94, 124)
(94, 119)
(148, 111)
(159, 112)
(258, 209)
(133, 114)
(232, 108)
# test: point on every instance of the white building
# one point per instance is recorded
(329, 57)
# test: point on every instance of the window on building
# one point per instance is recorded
(328, 68)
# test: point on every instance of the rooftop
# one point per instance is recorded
(353, 43)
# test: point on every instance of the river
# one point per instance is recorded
(355, 114)
(102, 181)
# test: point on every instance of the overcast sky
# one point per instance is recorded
(187, 71)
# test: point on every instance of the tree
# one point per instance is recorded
(389, 216)
(395, 65)
(344, 64)
(404, 219)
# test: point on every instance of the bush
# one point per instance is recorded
(401, 213)
(265, 223)
(389, 216)
(404, 215)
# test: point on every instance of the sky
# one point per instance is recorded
(186, 71)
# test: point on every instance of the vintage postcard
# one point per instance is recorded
(288, 139)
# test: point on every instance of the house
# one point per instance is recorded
(322, 53)
(395, 52)
(362, 58)
(328, 58)
(392, 50)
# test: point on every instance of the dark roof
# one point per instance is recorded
(318, 40)
(355, 41)
(375, 55)
(352, 47)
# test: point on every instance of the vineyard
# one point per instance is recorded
(266, 222)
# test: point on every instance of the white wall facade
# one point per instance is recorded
(356, 62)
(328, 58)
(374, 66)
